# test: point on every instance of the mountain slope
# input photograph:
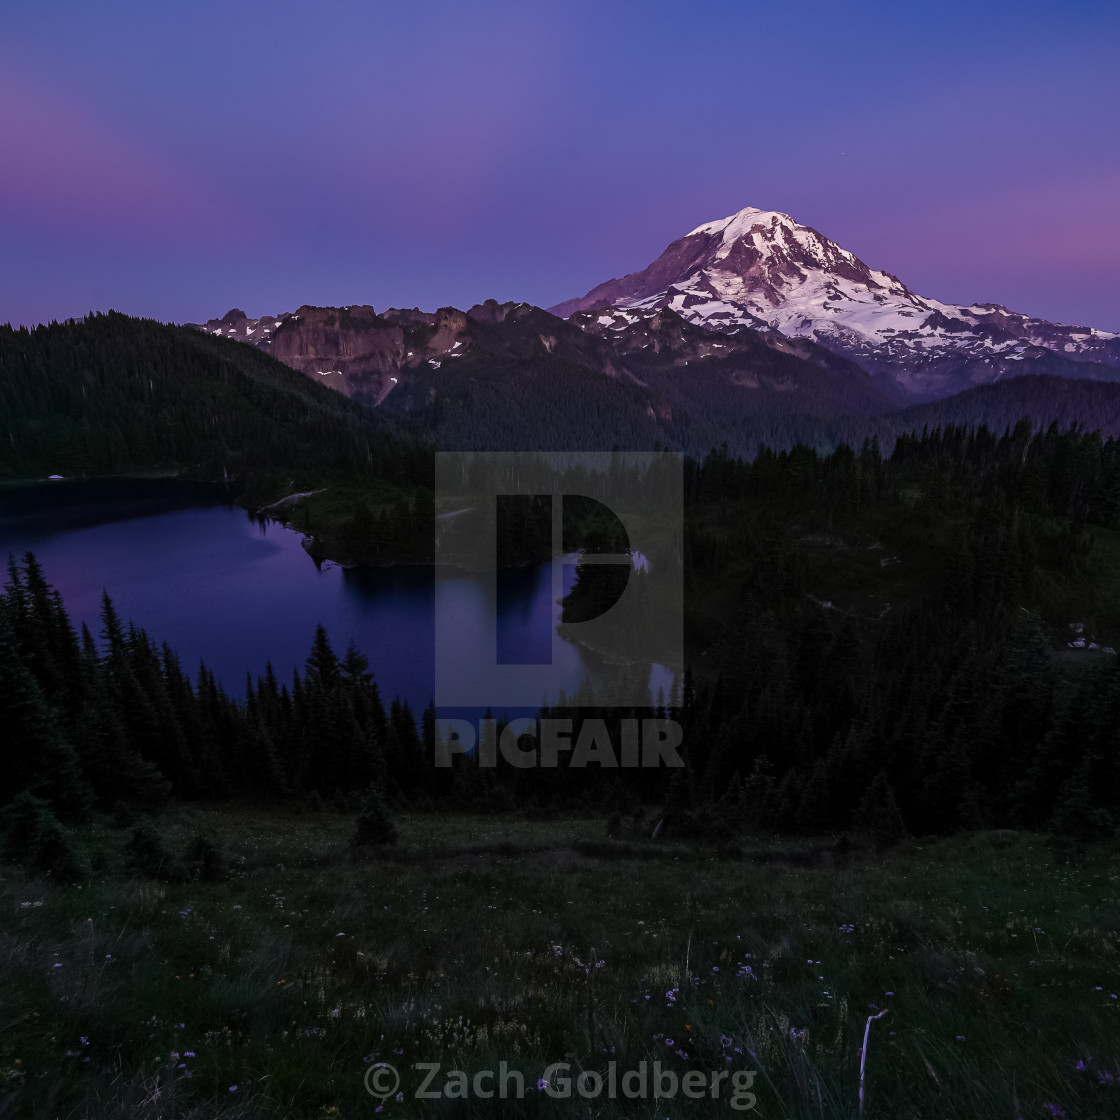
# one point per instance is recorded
(762, 269)
(1045, 400)
(514, 376)
(112, 393)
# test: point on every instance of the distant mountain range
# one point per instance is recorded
(746, 330)
(515, 376)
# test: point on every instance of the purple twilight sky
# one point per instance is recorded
(175, 160)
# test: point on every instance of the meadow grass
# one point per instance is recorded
(487, 938)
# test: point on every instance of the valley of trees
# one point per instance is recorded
(872, 644)
(548, 402)
(112, 394)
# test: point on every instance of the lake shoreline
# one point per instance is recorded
(193, 568)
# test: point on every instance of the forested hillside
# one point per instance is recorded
(746, 420)
(1094, 405)
(111, 394)
(877, 645)
(878, 636)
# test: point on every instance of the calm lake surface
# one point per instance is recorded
(181, 561)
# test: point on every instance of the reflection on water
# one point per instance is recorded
(195, 572)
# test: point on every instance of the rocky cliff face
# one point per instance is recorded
(349, 346)
(352, 349)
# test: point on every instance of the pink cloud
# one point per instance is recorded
(70, 168)
(1036, 225)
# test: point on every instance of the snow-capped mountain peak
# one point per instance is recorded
(770, 230)
(762, 269)
(741, 223)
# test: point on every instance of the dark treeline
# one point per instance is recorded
(927, 697)
(96, 721)
(873, 641)
(111, 393)
(935, 703)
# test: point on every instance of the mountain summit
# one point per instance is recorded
(762, 269)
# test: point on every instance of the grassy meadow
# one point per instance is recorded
(274, 989)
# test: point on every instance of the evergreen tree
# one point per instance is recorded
(148, 854)
(373, 827)
(35, 836)
(877, 816)
(40, 759)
